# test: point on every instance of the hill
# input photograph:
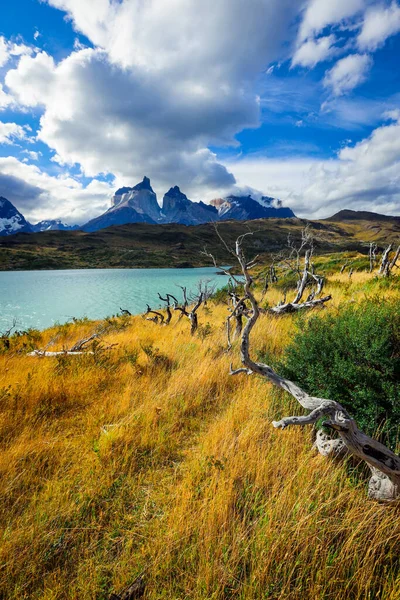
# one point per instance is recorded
(362, 215)
(143, 245)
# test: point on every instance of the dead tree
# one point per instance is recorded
(80, 347)
(125, 312)
(393, 262)
(191, 314)
(158, 317)
(307, 274)
(5, 336)
(206, 288)
(372, 255)
(383, 463)
(384, 269)
(168, 303)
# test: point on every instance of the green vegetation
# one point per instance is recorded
(141, 245)
(353, 356)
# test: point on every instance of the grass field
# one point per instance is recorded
(150, 458)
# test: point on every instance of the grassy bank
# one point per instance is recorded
(150, 458)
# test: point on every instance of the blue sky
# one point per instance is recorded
(297, 99)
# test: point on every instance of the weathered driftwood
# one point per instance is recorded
(384, 464)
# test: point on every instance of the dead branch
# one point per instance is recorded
(384, 269)
(394, 260)
(167, 308)
(157, 315)
(384, 464)
(192, 314)
(293, 263)
(76, 349)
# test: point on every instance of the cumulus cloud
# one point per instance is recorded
(320, 13)
(11, 132)
(41, 196)
(314, 51)
(379, 24)
(348, 73)
(165, 80)
(31, 81)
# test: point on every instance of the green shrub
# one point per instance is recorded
(353, 357)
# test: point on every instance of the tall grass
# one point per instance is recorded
(151, 458)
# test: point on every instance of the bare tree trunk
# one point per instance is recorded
(395, 259)
(385, 264)
(372, 255)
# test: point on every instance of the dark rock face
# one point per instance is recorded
(245, 208)
(122, 216)
(177, 208)
(11, 220)
(53, 225)
(136, 204)
(141, 198)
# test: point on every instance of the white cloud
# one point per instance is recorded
(9, 49)
(32, 154)
(5, 99)
(362, 177)
(50, 197)
(3, 52)
(348, 73)
(30, 82)
(379, 24)
(167, 79)
(11, 132)
(320, 13)
(314, 51)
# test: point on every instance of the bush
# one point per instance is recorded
(354, 358)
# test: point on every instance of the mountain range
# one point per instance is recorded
(139, 204)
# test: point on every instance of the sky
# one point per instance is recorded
(295, 99)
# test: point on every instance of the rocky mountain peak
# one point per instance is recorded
(11, 220)
(143, 185)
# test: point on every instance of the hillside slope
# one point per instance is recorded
(150, 458)
(146, 245)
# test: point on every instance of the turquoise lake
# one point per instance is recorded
(41, 298)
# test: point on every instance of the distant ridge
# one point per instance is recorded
(361, 215)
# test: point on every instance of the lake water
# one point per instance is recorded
(41, 298)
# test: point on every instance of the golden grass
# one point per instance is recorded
(159, 461)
